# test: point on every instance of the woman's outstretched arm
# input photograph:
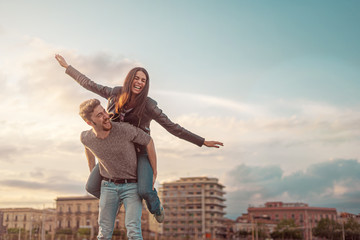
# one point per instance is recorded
(84, 81)
(175, 129)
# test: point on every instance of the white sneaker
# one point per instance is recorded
(160, 217)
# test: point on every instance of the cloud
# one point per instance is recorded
(327, 184)
(7, 152)
(72, 187)
(42, 180)
(32, 73)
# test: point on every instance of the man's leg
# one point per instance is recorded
(133, 210)
(145, 179)
(108, 205)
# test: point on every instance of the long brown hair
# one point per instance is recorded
(125, 95)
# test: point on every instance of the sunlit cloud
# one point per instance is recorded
(322, 183)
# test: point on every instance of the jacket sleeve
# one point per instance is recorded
(173, 128)
(85, 82)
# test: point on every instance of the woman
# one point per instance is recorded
(130, 103)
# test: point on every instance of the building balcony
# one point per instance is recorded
(221, 198)
(220, 204)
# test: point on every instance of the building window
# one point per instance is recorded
(69, 209)
(15, 217)
(293, 216)
(89, 207)
(25, 217)
(69, 224)
(87, 222)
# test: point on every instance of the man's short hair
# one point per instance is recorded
(87, 108)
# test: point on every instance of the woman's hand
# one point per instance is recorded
(214, 144)
(61, 60)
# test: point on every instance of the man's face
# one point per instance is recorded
(100, 119)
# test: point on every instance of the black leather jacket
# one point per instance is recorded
(152, 112)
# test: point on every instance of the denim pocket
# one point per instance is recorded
(104, 183)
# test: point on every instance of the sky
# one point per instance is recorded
(277, 81)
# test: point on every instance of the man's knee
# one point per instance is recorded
(134, 230)
(105, 233)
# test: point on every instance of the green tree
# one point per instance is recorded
(287, 229)
(242, 233)
(352, 229)
(328, 228)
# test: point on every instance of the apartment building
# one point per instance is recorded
(77, 212)
(194, 208)
(28, 220)
(81, 212)
(300, 212)
(304, 216)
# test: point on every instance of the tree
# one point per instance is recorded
(352, 229)
(328, 228)
(287, 229)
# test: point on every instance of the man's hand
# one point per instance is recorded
(61, 61)
(214, 144)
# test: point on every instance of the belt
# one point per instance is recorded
(118, 181)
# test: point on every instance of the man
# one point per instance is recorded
(113, 146)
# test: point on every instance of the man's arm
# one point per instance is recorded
(90, 158)
(152, 158)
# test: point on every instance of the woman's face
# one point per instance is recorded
(138, 83)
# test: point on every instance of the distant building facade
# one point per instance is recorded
(81, 212)
(304, 216)
(194, 208)
(28, 220)
(77, 212)
(301, 213)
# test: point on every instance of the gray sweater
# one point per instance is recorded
(116, 153)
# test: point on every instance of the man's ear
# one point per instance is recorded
(90, 123)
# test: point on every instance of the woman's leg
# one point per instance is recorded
(145, 179)
(93, 184)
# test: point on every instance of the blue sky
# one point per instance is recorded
(276, 81)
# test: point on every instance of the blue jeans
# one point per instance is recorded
(145, 179)
(111, 195)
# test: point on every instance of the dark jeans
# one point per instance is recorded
(145, 179)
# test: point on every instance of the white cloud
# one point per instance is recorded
(321, 185)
